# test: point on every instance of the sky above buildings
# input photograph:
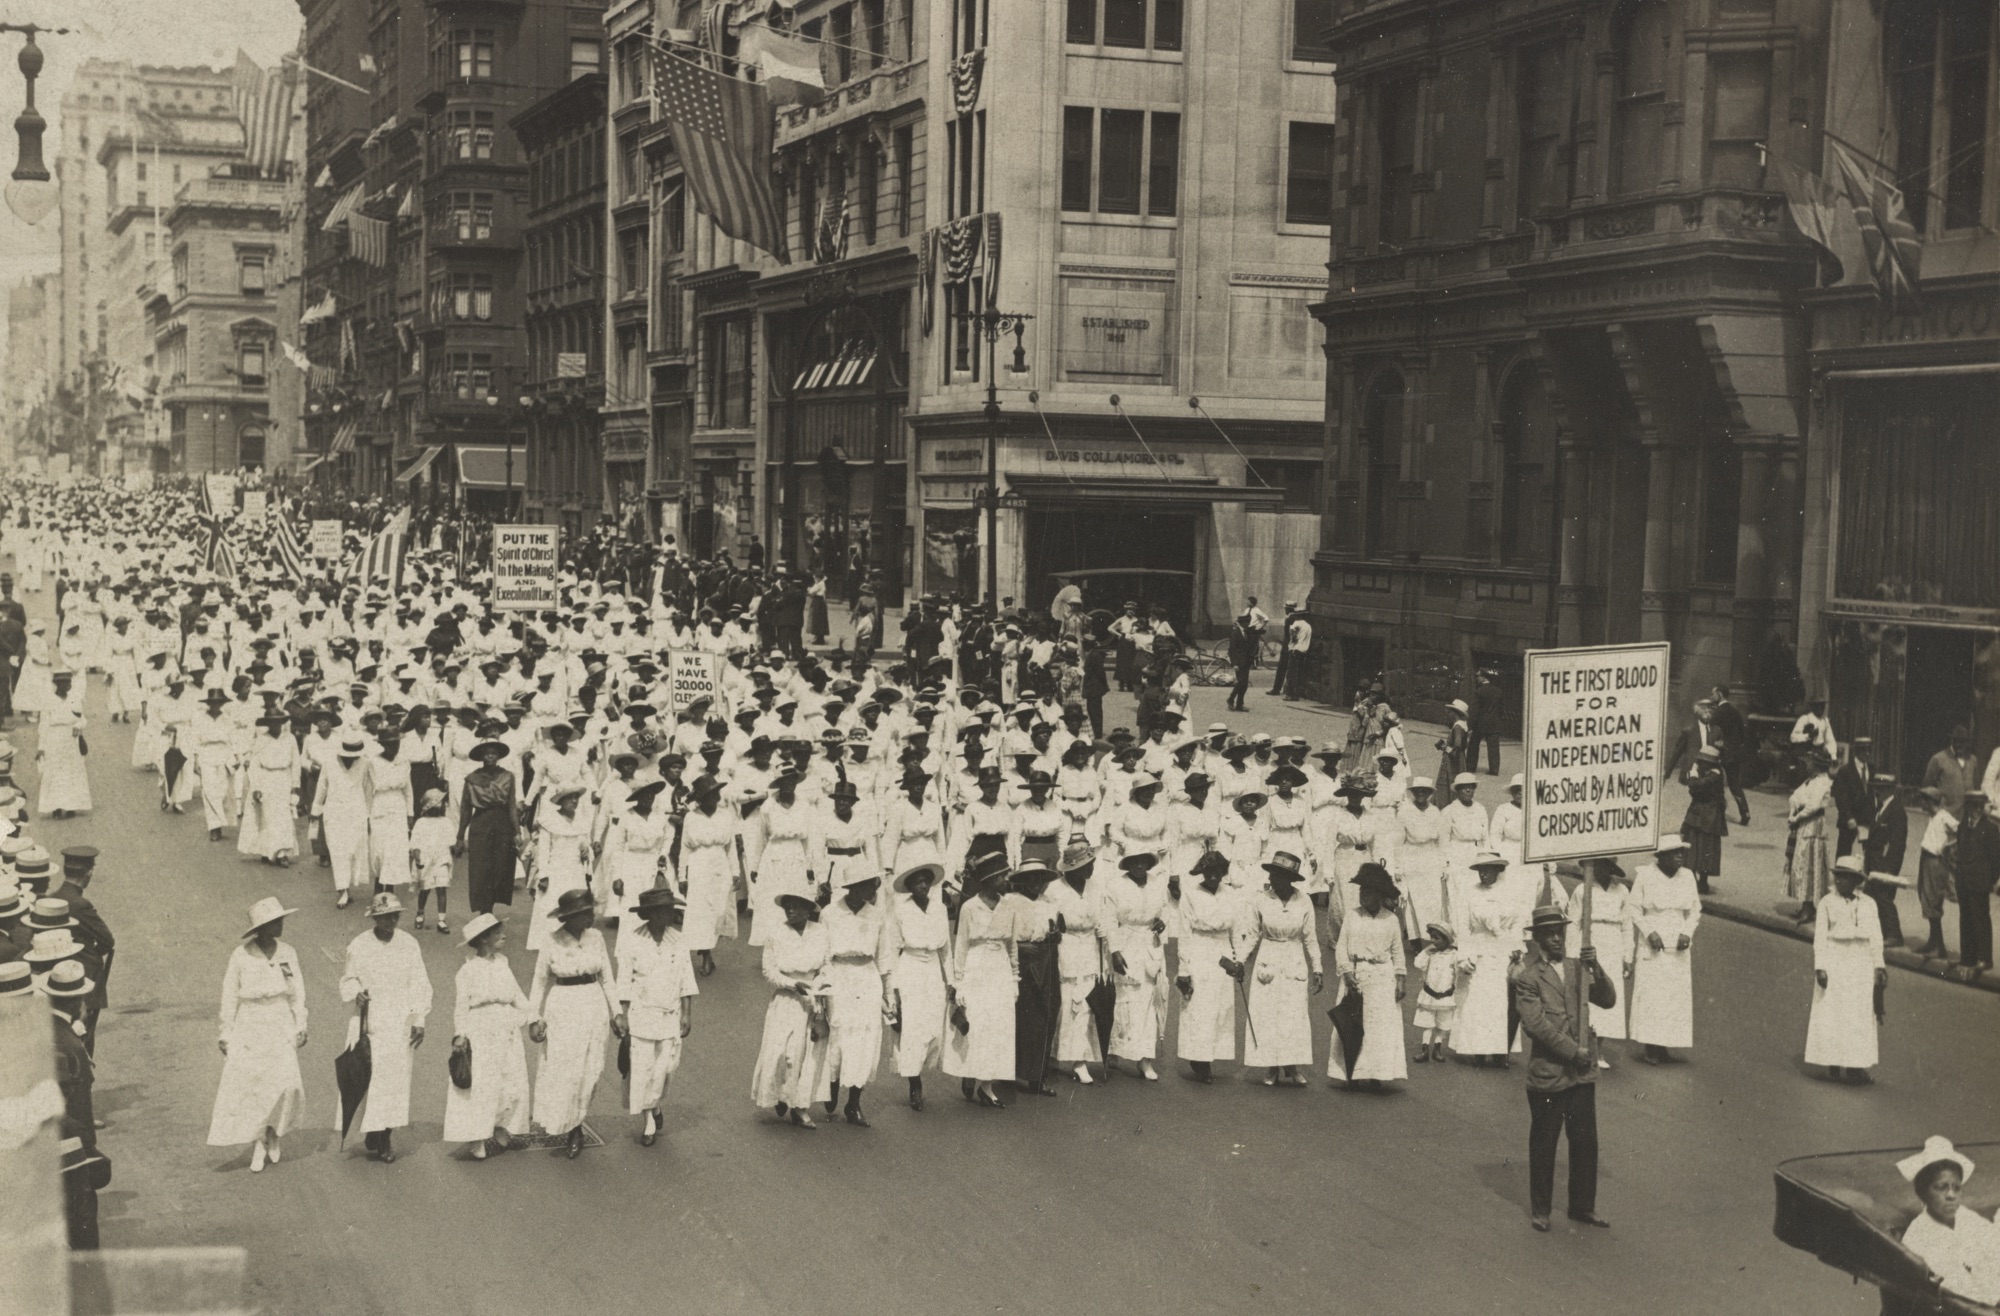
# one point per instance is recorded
(176, 32)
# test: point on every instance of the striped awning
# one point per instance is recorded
(343, 438)
(417, 467)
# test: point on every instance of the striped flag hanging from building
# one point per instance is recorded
(285, 547)
(722, 127)
(368, 239)
(264, 104)
(383, 558)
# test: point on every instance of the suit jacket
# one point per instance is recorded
(1733, 732)
(1851, 795)
(1888, 838)
(1541, 998)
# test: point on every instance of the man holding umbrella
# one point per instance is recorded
(385, 979)
(1562, 1068)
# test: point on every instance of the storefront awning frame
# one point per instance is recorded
(484, 465)
(421, 464)
(1044, 489)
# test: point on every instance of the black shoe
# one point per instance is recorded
(1591, 1218)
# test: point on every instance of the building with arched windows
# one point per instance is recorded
(1566, 338)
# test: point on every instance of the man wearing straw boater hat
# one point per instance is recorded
(384, 977)
(1562, 1068)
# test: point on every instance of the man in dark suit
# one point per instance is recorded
(13, 649)
(79, 865)
(1562, 1067)
(1737, 746)
(1851, 796)
(1482, 717)
(1696, 736)
(1978, 869)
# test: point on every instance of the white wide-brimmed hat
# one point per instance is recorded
(268, 910)
(1937, 1148)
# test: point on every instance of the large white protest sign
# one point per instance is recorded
(1593, 736)
(525, 560)
(691, 675)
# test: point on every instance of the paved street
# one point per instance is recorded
(1121, 1198)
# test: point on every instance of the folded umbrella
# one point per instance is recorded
(353, 1068)
(1346, 1016)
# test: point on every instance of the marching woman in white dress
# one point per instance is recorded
(1664, 907)
(121, 658)
(572, 1003)
(263, 1026)
(35, 689)
(1210, 915)
(918, 954)
(635, 853)
(1079, 962)
(792, 1056)
(61, 749)
(1420, 862)
(270, 795)
(562, 863)
(1277, 958)
(786, 862)
(857, 989)
(708, 871)
(1133, 914)
(979, 1049)
(488, 1013)
(1491, 934)
(1847, 972)
(1369, 958)
(1610, 934)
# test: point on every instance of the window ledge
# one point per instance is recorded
(1126, 53)
(1085, 220)
(1322, 231)
(1323, 68)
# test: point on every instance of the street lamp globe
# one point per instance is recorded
(31, 199)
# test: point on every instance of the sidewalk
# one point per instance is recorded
(1750, 889)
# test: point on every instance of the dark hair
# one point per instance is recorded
(1928, 1175)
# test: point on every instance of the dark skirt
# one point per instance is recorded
(424, 776)
(1704, 852)
(1035, 1011)
(489, 867)
(982, 844)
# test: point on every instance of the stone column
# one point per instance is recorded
(1578, 601)
(1659, 605)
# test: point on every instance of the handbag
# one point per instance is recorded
(625, 1055)
(460, 1065)
(82, 746)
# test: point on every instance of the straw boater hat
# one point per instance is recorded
(67, 979)
(1285, 864)
(1421, 784)
(476, 927)
(47, 914)
(1670, 843)
(16, 978)
(49, 947)
(267, 911)
(1488, 859)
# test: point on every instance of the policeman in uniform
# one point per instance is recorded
(79, 863)
(1562, 1068)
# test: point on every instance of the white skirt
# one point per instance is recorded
(1381, 1055)
(985, 1051)
(1663, 998)
(573, 1057)
(261, 1085)
(854, 1048)
(919, 984)
(790, 1064)
(499, 1096)
(1842, 1031)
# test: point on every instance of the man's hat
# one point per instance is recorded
(1548, 916)
(79, 858)
(65, 980)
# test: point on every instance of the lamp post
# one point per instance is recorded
(32, 193)
(993, 324)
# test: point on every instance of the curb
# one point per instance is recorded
(1902, 958)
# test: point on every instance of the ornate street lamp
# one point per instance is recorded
(994, 323)
(31, 194)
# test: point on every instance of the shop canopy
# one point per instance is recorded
(420, 465)
(482, 466)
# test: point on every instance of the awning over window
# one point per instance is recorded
(483, 467)
(420, 465)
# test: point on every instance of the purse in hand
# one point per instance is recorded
(460, 1066)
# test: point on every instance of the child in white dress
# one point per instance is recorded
(1437, 1000)
(430, 855)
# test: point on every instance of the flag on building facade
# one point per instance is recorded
(264, 105)
(722, 126)
(1809, 200)
(368, 239)
(1895, 253)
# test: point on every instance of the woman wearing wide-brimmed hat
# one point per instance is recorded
(1494, 925)
(918, 955)
(263, 1025)
(791, 1059)
(979, 1049)
(1079, 962)
(708, 870)
(487, 813)
(1277, 961)
(61, 750)
(1287, 816)
(1418, 838)
(269, 826)
(488, 1012)
(1368, 956)
(635, 852)
(857, 988)
(1210, 915)
(1960, 1246)
(656, 991)
(572, 1000)
(791, 833)
(1134, 929)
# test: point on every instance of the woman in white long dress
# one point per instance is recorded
(635, 852)
(791, 1059)
(785, 863)
(1847, 967)
(1210, 914)
(1665, 908)
(562, 864)
(708, 872)
(979, 1048)
(270, 795)
(574, 1008)
(35, 690)
(857, 990)
(263, 1025)
(1079, 962)
(1277, 958)
(121, 660)
(1369, 958)
(1133, 924)
(61, 749)
(1491, 935)
(919, 959)
(1420, 860)
(488, 1013)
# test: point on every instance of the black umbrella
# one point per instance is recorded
(173, 761)
(1347, 1027)
(352, 1070)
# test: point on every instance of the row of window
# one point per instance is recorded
(864, 182)
(566, 168)
(462, 295)
(575, 331)
(559, 255)
(467, 55)
(1127, 162)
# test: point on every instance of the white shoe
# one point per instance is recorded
(257, 1157)
(1147, 1072)
(1604, 1064)
(342, 902)
(274, 1152)
(1083, 1075)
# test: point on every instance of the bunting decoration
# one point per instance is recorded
(966, 73)
(958, 248)
(348, 355)
(830, 228)
(991, 240)
(926, 267)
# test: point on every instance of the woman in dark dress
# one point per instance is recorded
(486, 828)
(1707, 820)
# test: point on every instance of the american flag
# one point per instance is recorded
(722, 127)
(285, 547)
(368, 239)
(264, 104)
(383, 558)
